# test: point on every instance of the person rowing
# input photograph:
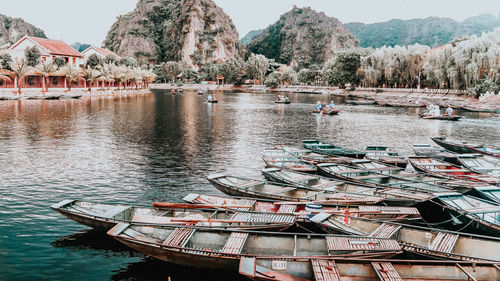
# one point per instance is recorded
(449, 111)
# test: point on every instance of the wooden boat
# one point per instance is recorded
(470, 213)
(211, 99)
(479, 163)
(392, 196)
(464, 147)
(328, 111)
(260, 269)
(103, 216)
(238, 186)
(423, 241)
(282, 101)
(313, 157)
(330, 149)
(440, 117)
(222, 249)
(427, 150)
(52, 97)
(409, 103)
(302, 210)
(480, 109)
(447, 170)
(385, 155)
(395, 178)
(278, 158)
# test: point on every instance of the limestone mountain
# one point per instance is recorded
(13, 29)
(195, 31)
(250, 35)
(431, 31)
(302, 37)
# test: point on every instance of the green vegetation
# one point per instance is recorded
(33, 56)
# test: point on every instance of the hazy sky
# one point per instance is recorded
(88, 21)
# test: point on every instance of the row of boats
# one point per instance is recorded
(324, 213)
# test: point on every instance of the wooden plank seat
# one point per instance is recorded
(178, 237)
(348, 171)
(367, 177)
(302, 178)
(444, 242)
(264, 218)
(325, 270)
(361, 244)
(483, 210)
(390, 210)
(401, 193)
(245, 202)
(385, 230)
(450, 171)
(287, 189)
(287, 208)
(234, 243)
(386, 271)
(326, 185)
(115, 211)
(248, 183)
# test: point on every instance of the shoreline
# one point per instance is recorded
(388, 96)
(55, 94)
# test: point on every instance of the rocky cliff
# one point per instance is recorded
(12, 29)
(195, 31)
(302, 37)
(431, 31)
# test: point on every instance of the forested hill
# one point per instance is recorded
(12, 29)
(431, 31)
(302, 37)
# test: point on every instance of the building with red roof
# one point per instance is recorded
(101, 52)
(50, 49)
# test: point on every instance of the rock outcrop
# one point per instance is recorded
(13, 29)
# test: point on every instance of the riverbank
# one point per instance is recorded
(399, 97)
(52, 94)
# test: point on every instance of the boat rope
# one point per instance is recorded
(471, 221)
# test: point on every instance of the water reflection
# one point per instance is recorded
(156, 147)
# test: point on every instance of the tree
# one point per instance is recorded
(93, 61)
(71, 74)
(342, 69)
(59, 62)
(5, 61)
(210, 71)
(20, 69)
(91, 76)
(256, 67)
(273, 80)
(46, 68)
(33, 56)
(128, 61)
(230, 70)
(110, 59)
(170, 69)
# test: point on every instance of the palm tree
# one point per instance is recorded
(72, 74)
(20, 69)
(91, 75)
(46, 68)
(118, 74)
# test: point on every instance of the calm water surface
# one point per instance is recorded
(145, 148)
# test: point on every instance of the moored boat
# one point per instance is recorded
(479, 163)
(278, 158)
(362, 102)
(238, 186)
(222, 249)
(385, 155)
(313, 157)
(302, 209)
(423, 241)
(260, 269)
(330, 149)
(447, 170)
(428, 150)
(464, 147)
(103, 216)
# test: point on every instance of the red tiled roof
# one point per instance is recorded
(56, 47)
(103, 51)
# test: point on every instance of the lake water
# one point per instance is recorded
(158, 147)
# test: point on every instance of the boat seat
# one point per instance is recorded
(287, 189)
(178, 237)
(234, 243)
(351, 171)
(325, 270)
(385, 230)
(248, 184)
(444, 242)
(361, 244)
(386, 272)
(245, 202)
(370, 177)
(301, 178)
(313, 195)
(450, 170)
(287, 208)
(390, 210)
(326, 185)
(263, 217)
(115, 211)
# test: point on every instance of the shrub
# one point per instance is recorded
(378, 91)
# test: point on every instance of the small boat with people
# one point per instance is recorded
(427, 150)
(103, 216)
(301, 209)
(239, 186)
(434, 112)
(222, 249)
(331, 150)
(330, 109)
(318, 108)
(261, 269)
(466, 147)
(385, 155)
(278, 158)
(447, 170)
(211, 98)
(282, 99)
(421, 241)
(480, 163)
